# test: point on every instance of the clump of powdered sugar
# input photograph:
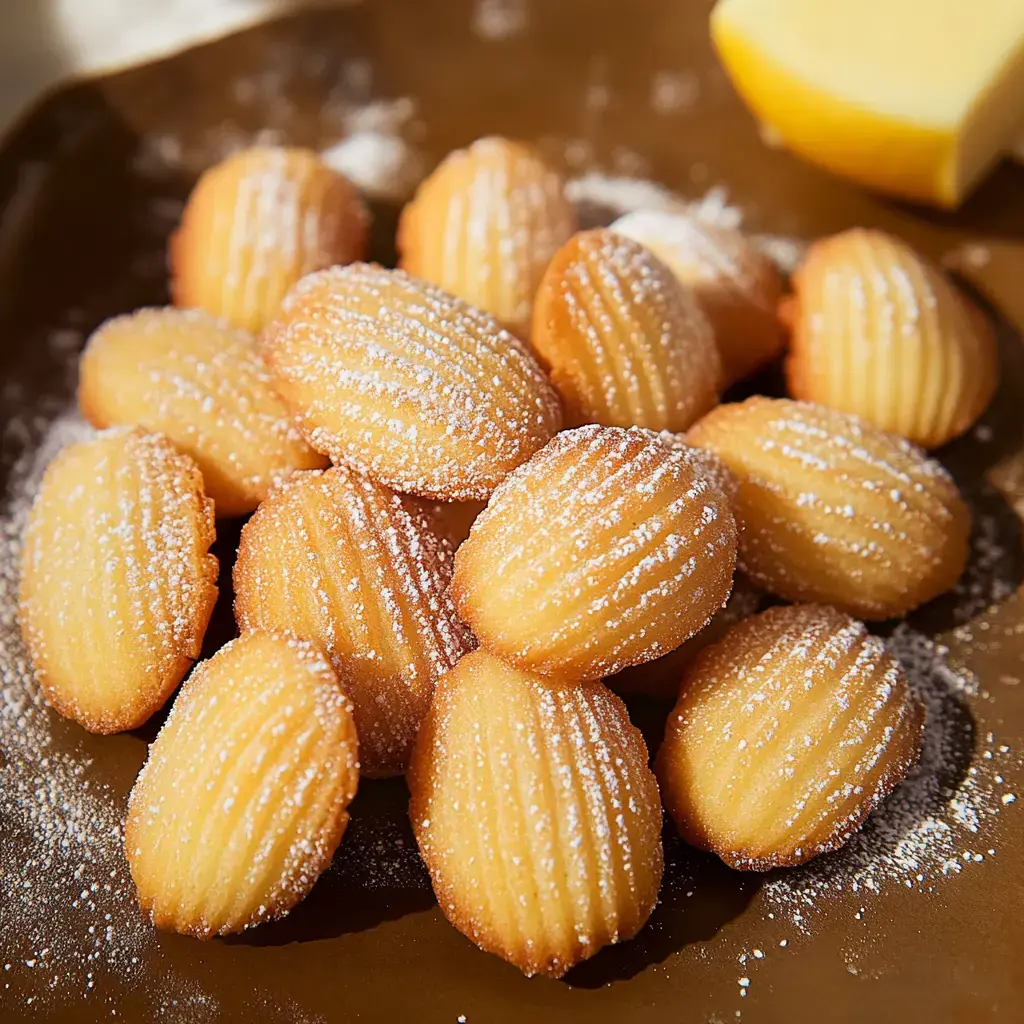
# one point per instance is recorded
(938, 821)
(377, 154)
(600, 198)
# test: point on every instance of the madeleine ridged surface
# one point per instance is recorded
(244, 796)
(484, 226)
(737, 286)
(536, 813)
(662, 677)
(257, 222)
(880, 332)
(606, 549)
(836, 511)
(203, 384)
(788, 732)
(625, 343)
(117, 582)
(336, 558)
(407, 383)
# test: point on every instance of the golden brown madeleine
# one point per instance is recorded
(336, 558)
(788, 732)
(203, 384)
(536, 813)
(606, 549)
(661, 678)
(408, 384)
(257, 222)
(881, 332)
(484, 226)
(117, 582)
(738, 287)
(833, 510)
(625, 343)
(244, 796)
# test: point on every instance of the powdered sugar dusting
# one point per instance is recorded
(938, 822)
(63, 830)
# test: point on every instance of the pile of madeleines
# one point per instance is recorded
(570, 381)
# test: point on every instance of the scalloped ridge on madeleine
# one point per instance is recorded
(254, 224)
(407, 383)
(336, 558)
(117, 582)
(737, 286)
(835, 511)
(536, 813)
(787, 733)
(881, 332)
(606, 549)
(203, 384)
(625, 343)
(484, 226)
(244, 796)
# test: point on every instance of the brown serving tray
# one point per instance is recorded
(87, 208)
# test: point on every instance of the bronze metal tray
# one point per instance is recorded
(90, 191)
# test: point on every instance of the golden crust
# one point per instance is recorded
(484, 226)
(624, 342)
(881, 332)
(117, 582)
(257, 222)
(737, 286)
(202, 383)
(536, 814)
(607, 549)
(407, 383)
(336, 558)
(244, 796)
(835, 511)
(787, 733)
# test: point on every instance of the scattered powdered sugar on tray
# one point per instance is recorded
(62, 843)
(937, 822)
(495, 20)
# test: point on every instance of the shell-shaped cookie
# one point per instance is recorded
(336, 558)
(606, 549)
(257, 222)
(624, 342)
(244, 796)
(203, 384)
(407, 383)
(484, 226)
(881, 332)
(536, 813)
(788, 732)
(834, 510)
(117, 582)
(738, 286)
(662, 677)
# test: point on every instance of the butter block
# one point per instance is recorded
(916, 99)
